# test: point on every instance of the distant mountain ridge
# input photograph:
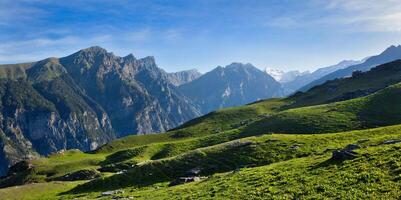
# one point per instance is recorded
(306, 78)
(390, 54)
(235, 84)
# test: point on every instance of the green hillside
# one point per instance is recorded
(375, 175)
(246, 152)
(212, 123)
(268, 164)
(379, 109)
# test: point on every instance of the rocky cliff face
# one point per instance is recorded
(82, 101)
(46, 116)
(183, 77)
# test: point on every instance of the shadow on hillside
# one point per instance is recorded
(329, 162)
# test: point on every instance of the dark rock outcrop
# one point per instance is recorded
(85, 174)
(182, 180)
(391, 142)
(345, 154)
(341, 155)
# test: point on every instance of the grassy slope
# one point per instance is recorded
(69, 161)
(42, 191)
(284, 172)
(375, 175)
(251, 151)
(379, 109)
(214, 122)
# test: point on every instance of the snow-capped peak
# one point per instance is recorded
(275, 73)
(282, 76)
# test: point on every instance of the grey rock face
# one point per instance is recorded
(32, 122)
(183, 77)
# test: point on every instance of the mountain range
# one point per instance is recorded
(91, 97)
(294, 80)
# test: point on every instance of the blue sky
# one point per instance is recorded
(183, 34)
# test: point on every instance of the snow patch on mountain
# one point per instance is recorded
(284, 77)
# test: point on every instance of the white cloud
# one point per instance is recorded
(283, 22)
(352, 15)
(15, 11)
(362, 5)
(119, 41)
(35, 49)
(366, 15)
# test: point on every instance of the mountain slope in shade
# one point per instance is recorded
(235, 84)
(306, 78)
(83, 101)
(182, 77)
(44, 111)
(390, 54)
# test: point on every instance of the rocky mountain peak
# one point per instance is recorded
(149, 60)
(129, 57)
(239, 66)
(94, 50)
(392, 50)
